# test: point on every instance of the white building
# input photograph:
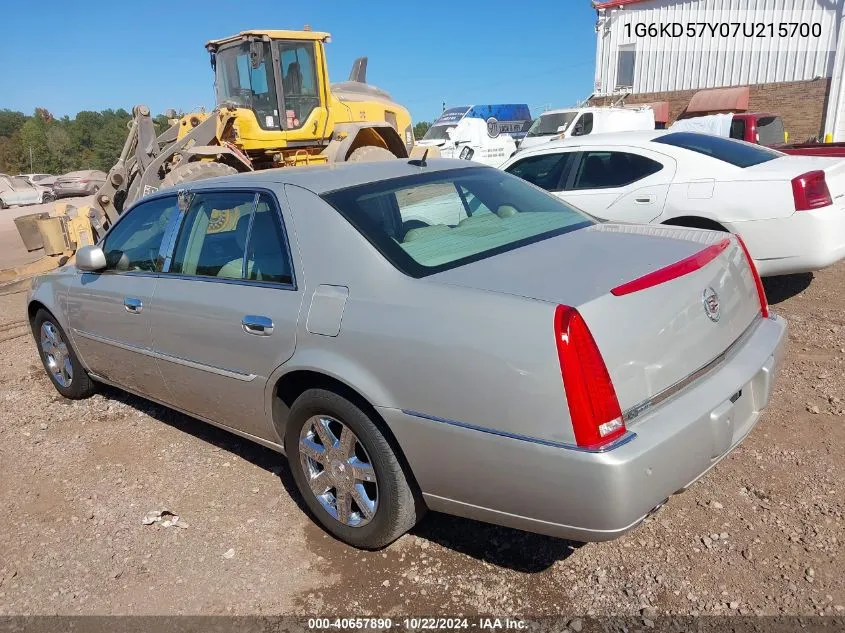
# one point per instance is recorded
(789, 53)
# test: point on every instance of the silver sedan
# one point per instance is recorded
(426, 336)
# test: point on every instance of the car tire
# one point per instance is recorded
(396, 509)
(200, 170)
(47, 198)
(59, 358)
(3, 205)
(370, 154)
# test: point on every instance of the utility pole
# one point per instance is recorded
(31, 170)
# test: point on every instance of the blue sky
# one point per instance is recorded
(97, 54)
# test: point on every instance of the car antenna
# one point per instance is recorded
(421, 162)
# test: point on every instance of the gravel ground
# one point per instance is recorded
(761, 534)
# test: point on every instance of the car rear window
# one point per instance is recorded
(434, 221)
(770, 130)
(727, 150)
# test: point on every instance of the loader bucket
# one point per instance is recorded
(27, 226)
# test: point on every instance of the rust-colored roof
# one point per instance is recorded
(719, 100)
(613, 4)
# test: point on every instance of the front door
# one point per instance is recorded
(109, 311)
(226, 309)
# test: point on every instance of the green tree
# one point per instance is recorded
(32, 147)
(420, 129)
(10, 122)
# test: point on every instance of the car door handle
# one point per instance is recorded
(644, 199)
(258, 325)
(133, 305)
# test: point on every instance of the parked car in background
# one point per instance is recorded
(789, 210)
(42, 180)
(17, 191)
(79, 183)
(526, 366)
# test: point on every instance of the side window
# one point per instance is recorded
(544, 170)
(267, 257)
(738, 129)
(223, 237)
(584, 125)
(605, 170)
(212, 240)
(134, 242)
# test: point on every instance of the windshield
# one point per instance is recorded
(430, 222)
(547, 124)
(246, 81)
(728, 150)
(770, 130)
(437, 133)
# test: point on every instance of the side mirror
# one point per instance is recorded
(561, 128)
(90, 259)
(450, 132)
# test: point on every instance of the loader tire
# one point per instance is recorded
(370, 154)
(191, 172)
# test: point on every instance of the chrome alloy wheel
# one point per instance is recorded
(338, 470)
(56, 354)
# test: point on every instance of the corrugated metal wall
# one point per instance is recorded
(665, 65)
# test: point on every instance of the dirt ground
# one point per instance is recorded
(761, 534)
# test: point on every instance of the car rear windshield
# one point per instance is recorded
(770, 130)
(728, 150)
(433, 221)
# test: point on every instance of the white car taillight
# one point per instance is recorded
(810, 191)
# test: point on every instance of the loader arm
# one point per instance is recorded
(139, 170)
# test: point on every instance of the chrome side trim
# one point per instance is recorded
(525, 438)
(146, 351)
(676, 389)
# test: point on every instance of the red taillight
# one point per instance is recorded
(673, 271)
(593, 407)
(810, 191)
(761, 292)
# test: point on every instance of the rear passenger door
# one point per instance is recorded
(627, 185)
(227, 305)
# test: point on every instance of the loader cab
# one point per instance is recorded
(278, 79)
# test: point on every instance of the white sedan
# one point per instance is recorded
(789, 210)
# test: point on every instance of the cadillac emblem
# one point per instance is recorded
(710, 300)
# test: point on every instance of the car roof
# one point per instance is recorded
(322, 178)
(638, 137)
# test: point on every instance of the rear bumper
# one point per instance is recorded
(586, 496)
(803, 242)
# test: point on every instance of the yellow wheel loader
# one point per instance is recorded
(275, 108)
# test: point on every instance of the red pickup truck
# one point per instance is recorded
(767, 129)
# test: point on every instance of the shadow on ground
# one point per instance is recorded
(500, 546)
(779, 289)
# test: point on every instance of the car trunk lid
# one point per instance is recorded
(650, 338)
